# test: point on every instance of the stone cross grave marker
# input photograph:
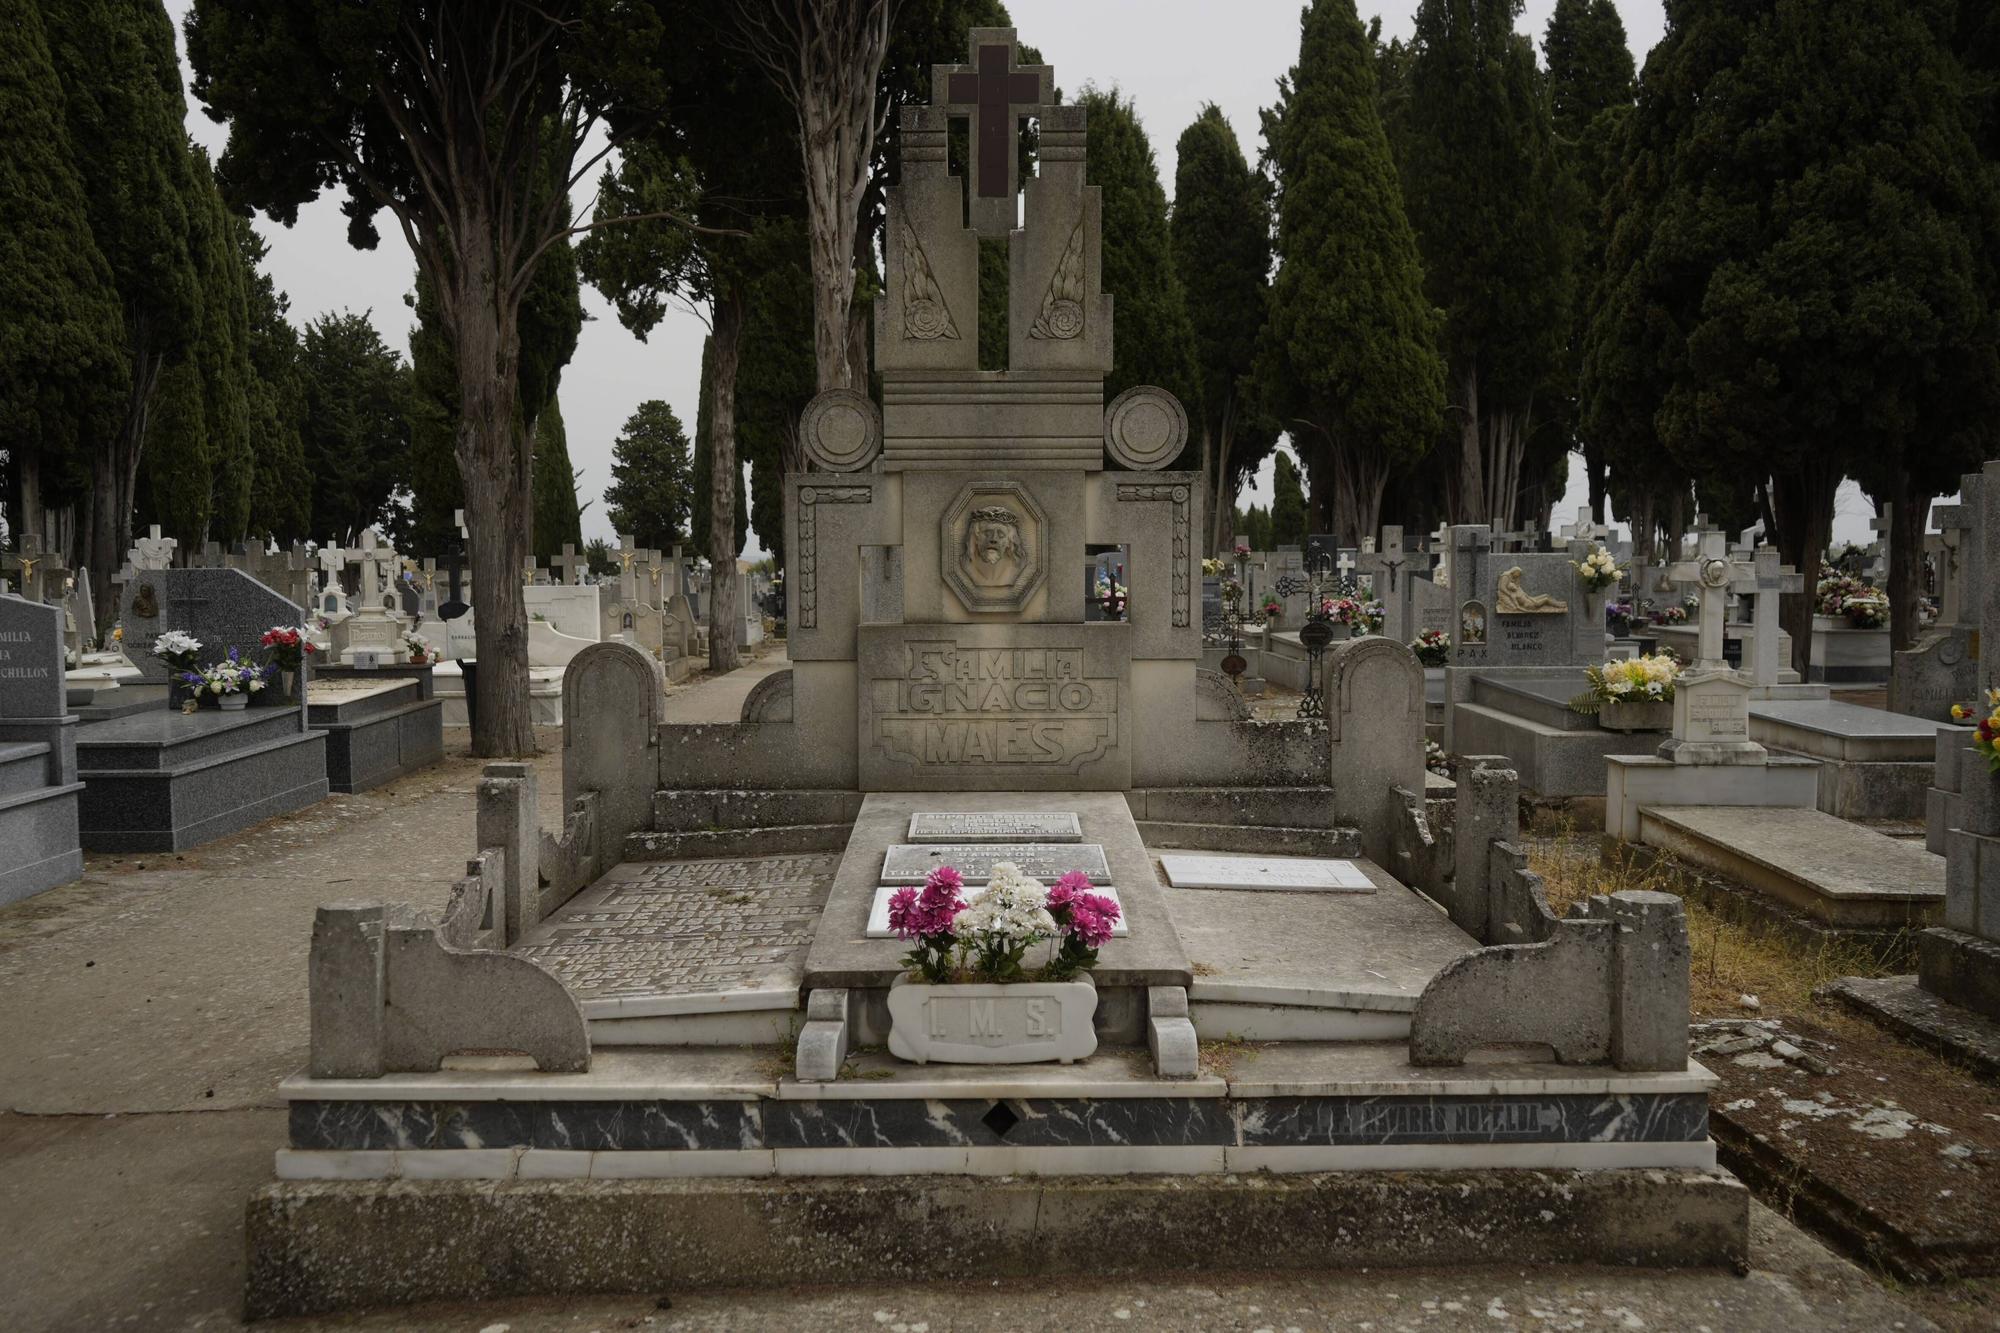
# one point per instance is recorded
(995, 92)
(1772, 578)
(571, 564)
(153, 551)
(1878, 550)
(1716, 575)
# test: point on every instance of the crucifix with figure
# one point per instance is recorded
(995, 92)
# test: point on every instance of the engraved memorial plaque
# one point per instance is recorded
(1046, 862)
(995, 826)
(1249, 872)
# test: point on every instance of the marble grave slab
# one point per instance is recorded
(996, 826)
(878, 915)
(1246, 872)
(1048, 862)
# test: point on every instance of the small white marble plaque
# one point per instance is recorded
(1231, 872)
(993, 1025)
(995, 826)
(878, 915)
(1047, 862)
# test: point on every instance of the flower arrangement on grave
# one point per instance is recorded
(1231, 590)
(1273, 609)
(1360, 615)
(420, 649)
(1864, 605)
(287, 646)
(1111, 594)
(226, 681)
(1676, 614)
(1432, 647)
(1436, 760)
(1212, 567)
(1618, 618)
(177, 648)
(1635, 680)
(1242, 551)
(1986, 733)
(1597, 570)
(986, 939)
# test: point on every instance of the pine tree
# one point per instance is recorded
(1155, 338)
(1482, 185)
(1221, 233)
(558, 519)
(63, 373)
(1348, 358)
(651, 484)
(356, 431)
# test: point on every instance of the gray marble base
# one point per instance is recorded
(1125, 1122)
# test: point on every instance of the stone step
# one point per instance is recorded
(1275, 840)
(1237, 1020)
(24, 767)
(739, 1018)
(701, 843)
(162, 740)
(734, 808)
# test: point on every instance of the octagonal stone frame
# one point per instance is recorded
(951, 549)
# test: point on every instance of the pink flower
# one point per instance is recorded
(915, 914)
(1091, 917)
(902, 907)
(1067, 888)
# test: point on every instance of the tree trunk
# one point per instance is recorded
(1909, 514)
(1594, 483)
(1802, 508)
(725, 353)
(497, 468)
(1468, 505)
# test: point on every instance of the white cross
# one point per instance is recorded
(153, 551)
(1771, 578)
(571, 564)
(1716, 576)
(378, 561)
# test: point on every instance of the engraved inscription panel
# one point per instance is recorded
(1046, 862)
(687, 927)
(996, 826)
(978, 708)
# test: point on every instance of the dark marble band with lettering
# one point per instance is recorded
(1023, 1122)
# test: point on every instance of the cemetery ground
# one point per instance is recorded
(156, 1003)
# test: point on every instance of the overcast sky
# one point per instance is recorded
(1169, 56)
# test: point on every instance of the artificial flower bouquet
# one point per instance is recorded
(287, 646)
(1671, 615)
(1212, 567)
(178, 649)
(1986, 732)
(420, 649)
(1598, 570)
(1864, 605)
(1360, 615)
(232, 678)
(986, 938)
(1111, 595)
(1273, 608)
(1436, 760)
(1635, 680)
(1432, 647)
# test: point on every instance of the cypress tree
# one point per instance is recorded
(1591, 88)
(356, 430)
(1221, 234)
(126, 111)
(281, 492)
(1288, 504)
(558, 518)
(1481, 181)
(1155, 338)
(1348, 358)
(63, 374)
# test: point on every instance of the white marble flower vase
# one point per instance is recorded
(1029, 1022)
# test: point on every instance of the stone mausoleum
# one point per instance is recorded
(642, 1052)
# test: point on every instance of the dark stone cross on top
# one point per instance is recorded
(996, 93)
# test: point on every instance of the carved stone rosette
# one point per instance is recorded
(841, 430)
(1145, 428)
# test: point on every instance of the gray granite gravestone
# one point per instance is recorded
(38, 822)
(224, 608)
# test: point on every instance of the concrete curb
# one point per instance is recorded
(324, 1246)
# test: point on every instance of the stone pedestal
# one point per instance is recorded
(1712, 721)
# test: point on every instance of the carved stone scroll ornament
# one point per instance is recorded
(841, 430)
(1061, 316)
(926, 318)
(1145, 428)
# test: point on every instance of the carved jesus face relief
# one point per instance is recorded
(993, 542)
(993, 547)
